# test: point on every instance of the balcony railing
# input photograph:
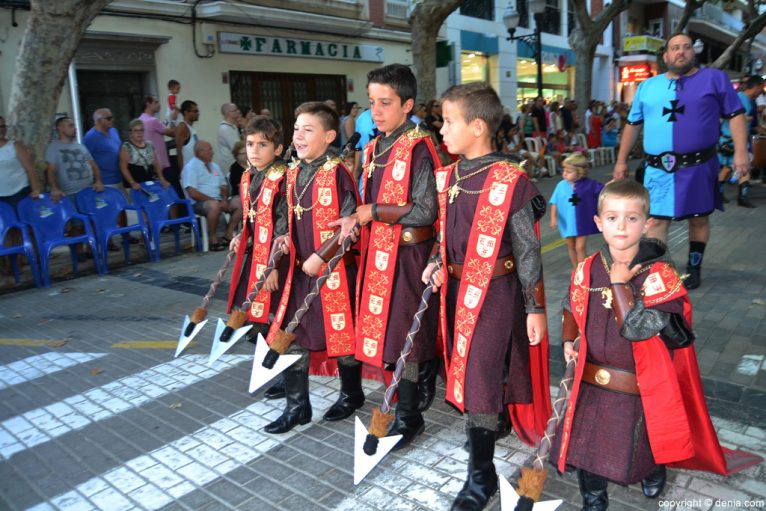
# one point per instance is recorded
(397, 8)
(714, 14)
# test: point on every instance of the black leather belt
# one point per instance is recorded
(671, 162)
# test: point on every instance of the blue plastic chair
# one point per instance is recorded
(9, 221)
(104, 209)
(156, 202)
(48, 220)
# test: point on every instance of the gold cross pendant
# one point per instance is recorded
(370, 168)
(606, 295)
(453, 192)
(251, 214)
(298, 211)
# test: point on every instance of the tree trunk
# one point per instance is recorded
(52, 35)
(689, 8)
(426, 19)
(584, 40)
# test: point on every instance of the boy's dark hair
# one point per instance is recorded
(148, 100)
(624, 189)
(269, 128)
(187, 105)
(397, 76)
(327, 116)
(173, 83)
(477, 101)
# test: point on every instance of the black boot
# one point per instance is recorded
(653, 485)
(504, 427)
(694, 279)
(297, 404)
(427, 383)
(408, 421)
(351, 393)
(742, 199)
(276, 391)
(482, 478)
(593, 491)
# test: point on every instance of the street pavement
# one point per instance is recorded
(96, 413)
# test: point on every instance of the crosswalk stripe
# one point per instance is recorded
(163, 475)
(43, 424)
(37, 366)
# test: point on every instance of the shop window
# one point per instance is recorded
(474, 67)
(483, 9)
(571, 19)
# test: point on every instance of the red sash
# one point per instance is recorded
(677, 421)
(334, 295)
(483, 245)
(263, 226)
(380, 246)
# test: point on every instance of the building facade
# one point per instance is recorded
(259, 54)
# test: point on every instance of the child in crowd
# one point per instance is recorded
(174, 87)
(319, 190)
(399, 208)
(636, 403)
(492, 302)
(573, 206)
(264, 206)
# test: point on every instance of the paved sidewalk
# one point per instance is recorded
(95, 413)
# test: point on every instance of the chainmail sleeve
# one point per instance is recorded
(526, 252)
(425, 207)
(349, 204)
(280, 215)
(641, 323)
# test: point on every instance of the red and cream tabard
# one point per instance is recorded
(481, 255)
(263, 224)
(336, 302)
(380, 250)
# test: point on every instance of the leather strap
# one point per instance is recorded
(329, 248)
(671, 162)
(609, 378)
(415, 235)
(622, 301)
(503, 266)
(569, 331)
(390, 213)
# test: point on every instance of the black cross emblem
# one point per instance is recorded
(575, 199)
(673, 110)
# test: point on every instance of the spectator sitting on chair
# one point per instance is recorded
(103, 143)
(206, 186)
(70, 169)
(18, 178)
(138, 158)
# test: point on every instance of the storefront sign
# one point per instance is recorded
(229, 42)
(642, 43)
(635, 73)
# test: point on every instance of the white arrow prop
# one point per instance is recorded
(509, 498)
(219, 348)
(260, 375)
(363, 463)
(183, 341)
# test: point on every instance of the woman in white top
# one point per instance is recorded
(18, 178)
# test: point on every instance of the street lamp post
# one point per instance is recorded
(511, 22)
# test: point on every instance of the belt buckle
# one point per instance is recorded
(450, 269)
(407, 236)
(508, 264)
(602, 377)
(669, 160)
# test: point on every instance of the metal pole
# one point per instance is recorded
(75, 100)
(539, 54)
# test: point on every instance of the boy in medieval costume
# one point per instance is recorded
(492, 301)
(319, 190)
(636, 403)
(399, 208)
